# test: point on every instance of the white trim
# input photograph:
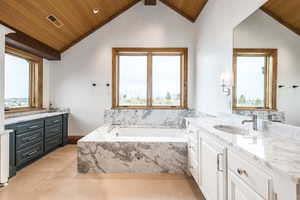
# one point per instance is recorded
(4, 30)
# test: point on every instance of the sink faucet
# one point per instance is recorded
(116, 124)
(254, 121)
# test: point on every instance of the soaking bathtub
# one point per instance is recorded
(140, 150)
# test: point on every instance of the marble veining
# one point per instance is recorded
(276, 153)
(155, 118)
(31, 117)
(100, 152)
(262, 114)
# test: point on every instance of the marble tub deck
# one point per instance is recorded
(99, 153)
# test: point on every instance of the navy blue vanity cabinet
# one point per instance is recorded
(53, 132)
(29, 142)
(33, 139)
(12, 151)
(65, 128)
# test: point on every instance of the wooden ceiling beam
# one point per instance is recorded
(20, 40)
(281, 21)
(150, 2)
(181, 11)
(178, 10)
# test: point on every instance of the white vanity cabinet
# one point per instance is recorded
(212, 168)
(239, 190)
(224, 172)
(193, 155)
(245, 178)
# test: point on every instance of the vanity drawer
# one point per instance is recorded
(29, 138)
(254, 177)
(52, 143)
(29, 126)
(53, 131)
(51, 121)
(27, 154)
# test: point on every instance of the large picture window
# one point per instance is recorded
(23, 81)
(255, 75)
(149, 78)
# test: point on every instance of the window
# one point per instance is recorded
(149, 78)
(255, 75)
(23, 81)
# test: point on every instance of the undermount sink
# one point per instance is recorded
(231, 129)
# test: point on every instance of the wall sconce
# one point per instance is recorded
(226, 83)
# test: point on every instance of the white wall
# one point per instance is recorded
(46, 83)
(214, 50)
(3, 32)
(262, 31)
(90, 61)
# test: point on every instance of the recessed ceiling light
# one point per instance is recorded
(95, 11)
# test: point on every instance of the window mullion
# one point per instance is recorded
(149, 80)
(266, 86)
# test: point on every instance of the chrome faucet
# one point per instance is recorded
(254, 121)
(116, 124)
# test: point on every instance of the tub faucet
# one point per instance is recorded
(254, 121)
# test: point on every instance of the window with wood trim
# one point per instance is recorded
(149, 78)
(23, 81)
(255, 79)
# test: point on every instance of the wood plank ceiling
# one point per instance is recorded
(77, 16)
(287, 12)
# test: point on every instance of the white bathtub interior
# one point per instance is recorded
(147, 132)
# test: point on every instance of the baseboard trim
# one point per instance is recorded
(74, 139)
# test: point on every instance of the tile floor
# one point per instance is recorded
(55, 177)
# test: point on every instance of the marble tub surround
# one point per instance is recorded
(25, 118)
(277, 154)
(100, 152)
(155, 118)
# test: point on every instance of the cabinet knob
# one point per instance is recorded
(242, 172)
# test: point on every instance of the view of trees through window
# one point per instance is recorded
(166, 80)
(17, 73)
(250, 81)
(133, 80)
(150, 79)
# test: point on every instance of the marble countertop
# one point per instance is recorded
(15, 120)
(277, 153)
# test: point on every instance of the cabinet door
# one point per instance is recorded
(65, 128)
(12, 151)
(239, 190)
(212, 178)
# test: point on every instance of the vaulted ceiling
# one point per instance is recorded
(287, 12)
(78, 17)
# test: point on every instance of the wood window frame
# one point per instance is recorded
(273, 53)
(36, 80)
(149, 52)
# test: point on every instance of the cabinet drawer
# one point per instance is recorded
(52, 143)
(53, 131)
(52, 121)
(30, 153)
(29, 138)
(29, 126)
(255, 178)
